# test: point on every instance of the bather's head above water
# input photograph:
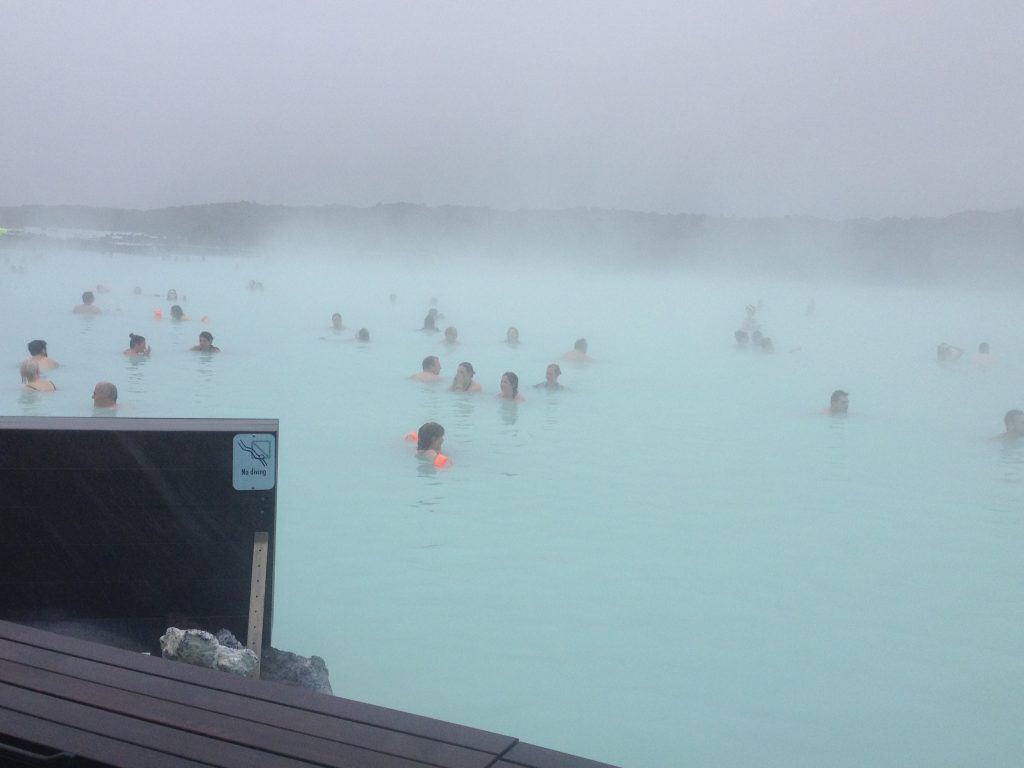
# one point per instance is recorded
(432, 364)
(136, 345)
(172, 295)
(430, 437)
(509, 386)
(205, 343)
(362, 335)
(742, 338)
(839, 403)
(1014, 422)
(336, 322)
(104, 395)
(430, 321)
(578, 352)
(512, 336)
(451, 335)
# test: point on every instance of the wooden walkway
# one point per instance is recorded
(116, 708)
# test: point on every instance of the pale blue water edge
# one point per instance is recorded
(677, 562)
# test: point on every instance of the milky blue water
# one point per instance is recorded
(678, 561)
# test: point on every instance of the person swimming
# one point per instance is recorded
(172, 295)
(336, 322)
(451, 336)
(137, 346)
(551, 375)
(104, 395)
(429, 439)
(430, 322)
(87, 307)
(578, 353)
(755, 339)
(839, 404)
(362, 335)
(512, 336)
(742, 339)
(177, 313)
(37, 352)
(767, 345)
(984, 355)
(1014, 423)
(32, 380)
(510, 387)
(947, 353)
(463, 381)
(205, 343)
(431, 370)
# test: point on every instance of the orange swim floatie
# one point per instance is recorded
(412, 437)
(158, 314)
(442, 461)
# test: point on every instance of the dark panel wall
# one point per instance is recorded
(130, 521)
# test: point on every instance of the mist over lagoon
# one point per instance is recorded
(689, 550)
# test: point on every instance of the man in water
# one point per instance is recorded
(947, 353)
(1014, 422)
(551, 379)
(104, 395)
(451, 336)
(839, 405)
(362, 335)
(578, 353)
(984, 355)
(742, 339)
(87, 307)
(37, 350)
(205, 343)
(431, 370)
(336, 323)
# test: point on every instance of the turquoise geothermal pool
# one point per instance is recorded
(678, 561)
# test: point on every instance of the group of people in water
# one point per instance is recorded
(430, 437)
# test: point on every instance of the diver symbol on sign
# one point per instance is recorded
(258, 449)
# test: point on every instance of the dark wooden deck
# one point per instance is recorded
(116, 708)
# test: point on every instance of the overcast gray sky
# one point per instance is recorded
(828, 108)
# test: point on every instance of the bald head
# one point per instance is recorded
(104, 395)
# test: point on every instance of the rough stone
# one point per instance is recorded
(292, 669)
(194, 646)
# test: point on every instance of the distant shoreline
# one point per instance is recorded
(985, 244)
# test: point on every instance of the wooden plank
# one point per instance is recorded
(311, 723)
(334, 706)
(532, 756)
(140, 733)
(257, 587)
(147, 722)
(87, 745)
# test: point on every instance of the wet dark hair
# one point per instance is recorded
(983, 348)
(363, 335)
(472, 373)
(837, 394)
(513, 380)
(557, 367)
(177, 312)
(453, 329)
(429, 360)
(742, 336)
(581, 345)
(336, 315)
(170, 293)
(206, 335)
(88, 297)
(1010, 416)
(36, 346)
(428, 322)
(134, 339)
(426, 434)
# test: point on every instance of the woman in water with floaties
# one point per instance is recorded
(463, 381)
(137, 346)
(429, 440)
(510, 387)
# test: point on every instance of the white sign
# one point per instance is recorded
(254, 459)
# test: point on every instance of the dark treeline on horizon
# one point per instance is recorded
(988, 247)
